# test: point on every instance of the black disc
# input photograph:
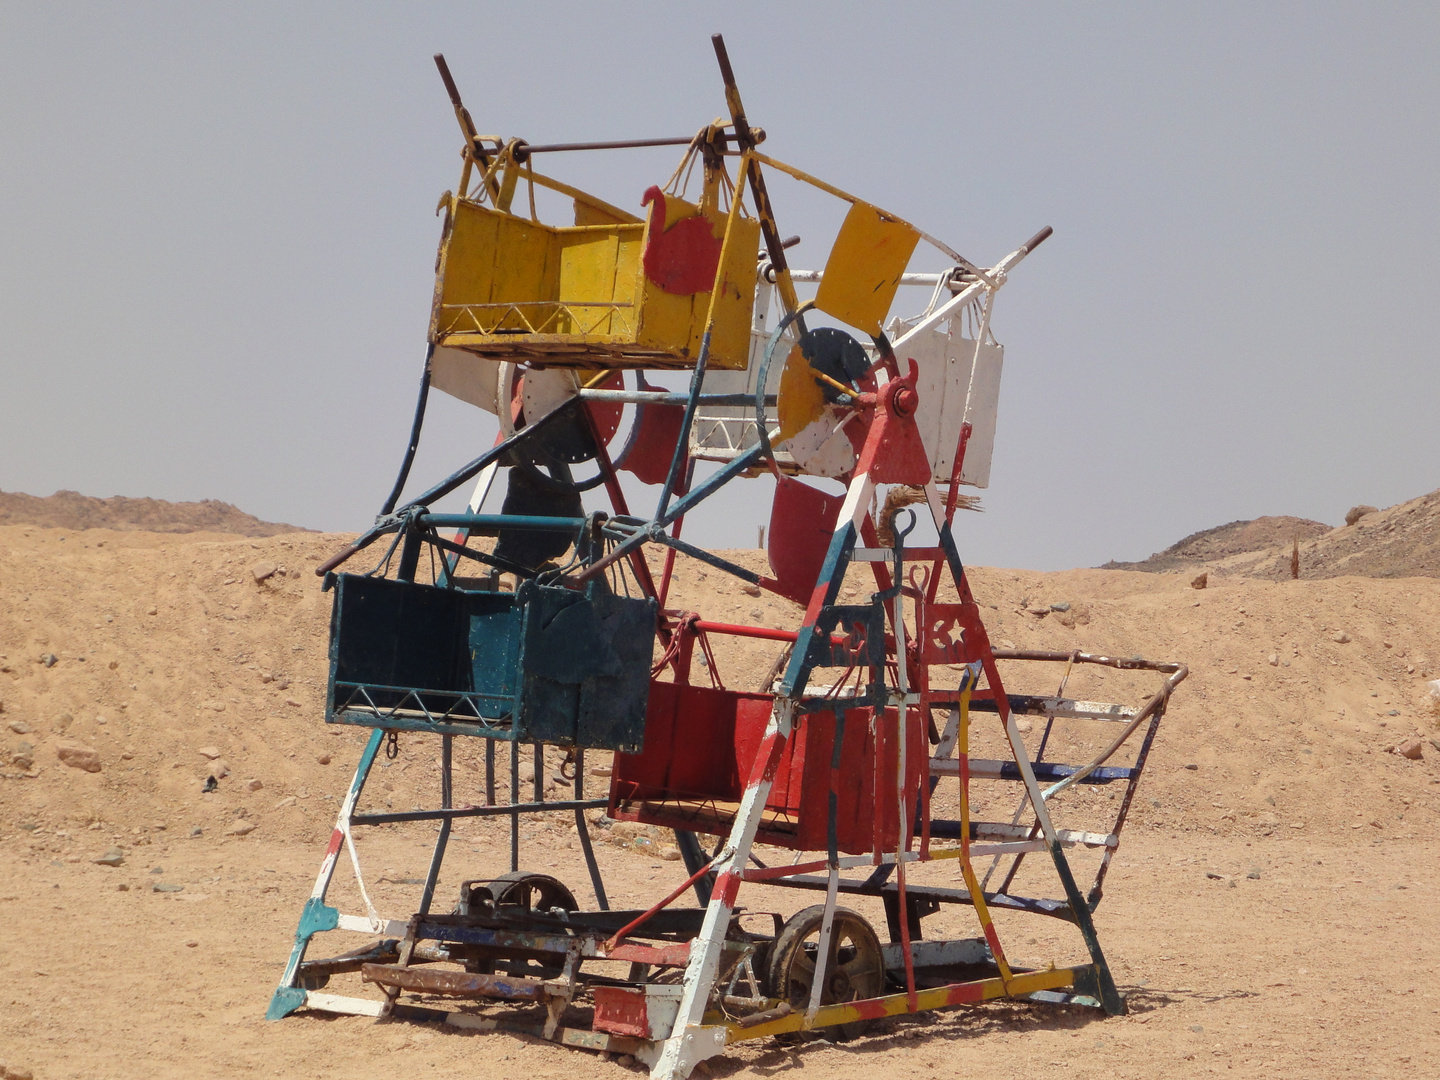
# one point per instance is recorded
(837, 354)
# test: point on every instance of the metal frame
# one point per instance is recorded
(895, 698)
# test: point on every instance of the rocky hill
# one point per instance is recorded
(71, 510)
(1397, 542)
(1223, 541)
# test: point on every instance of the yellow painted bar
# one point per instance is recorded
(967, 869)
(621, 216)
(800, 174)
(898, 1004)
(783, 285)
(805, 177)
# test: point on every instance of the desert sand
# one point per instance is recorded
(1271, 911)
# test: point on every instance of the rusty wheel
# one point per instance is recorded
(856, 969)
(532, 892)
(514, 894)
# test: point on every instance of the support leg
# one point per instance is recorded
(688, 1043)
(695, 857)
(316, 915)
(582, 831)
(514, 798)
(447, 795)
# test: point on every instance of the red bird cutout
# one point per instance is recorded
(682, 259)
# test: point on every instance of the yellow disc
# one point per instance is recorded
(801, 401)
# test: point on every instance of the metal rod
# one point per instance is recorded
(774, 245)
(931, 280)
(477, 523)
(710, 559)
(419, 421)
(665, 397)
(523, 149)
(489, 772)
(469, 472)
(695, 859)
(675, 532)
(539, 773)
(647, 914)
(513, 809)
(583, 831)
(514, 801)
(638, 565)
(679, 509)
(458, 551)
(682, 444)
(409, 557)
(447, 745)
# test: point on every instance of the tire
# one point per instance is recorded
(857, 972)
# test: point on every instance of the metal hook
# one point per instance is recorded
(901, 533)
(922, 585)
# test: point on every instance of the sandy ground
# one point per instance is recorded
(1270, 912)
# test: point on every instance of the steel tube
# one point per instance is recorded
(477, 811)
(665, 397)
(817, 276)
(478, 522)
(523, 149)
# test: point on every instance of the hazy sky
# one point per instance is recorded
(217, 235)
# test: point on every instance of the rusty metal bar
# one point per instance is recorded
(477, 811)
(583, 832)
(514, 802)
(429, 980)
(447, 746)
(523, 150)
(644, 916)
(774, 245)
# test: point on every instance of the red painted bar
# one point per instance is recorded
(619, 935)
(769, 873)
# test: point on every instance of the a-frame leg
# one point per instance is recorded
(690, 1041)
(316, 915)
(979, 647)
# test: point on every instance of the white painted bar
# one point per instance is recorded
(350, 1006)
(937, 953)
(996, 830)
(814, 277)
(982, 850)
(361, 924)
(873, 555)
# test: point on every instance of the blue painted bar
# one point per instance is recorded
(678, 509)
(832, 573)
(1045, 770)
(710, 485)
(710, 559)
(480, 522)
(478, 811)
(682, 444)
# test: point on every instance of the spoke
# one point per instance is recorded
(832, 959)
(802, 967)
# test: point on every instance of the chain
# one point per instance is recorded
(392, 746)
